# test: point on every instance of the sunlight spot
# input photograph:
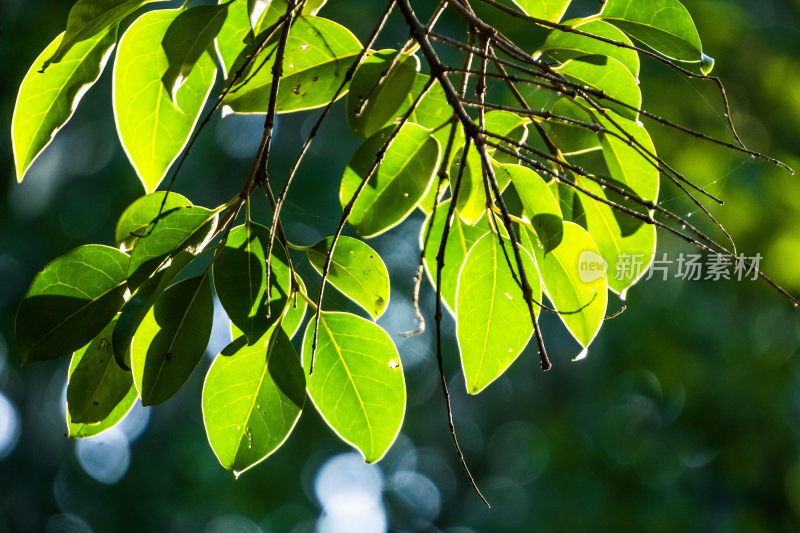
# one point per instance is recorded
(9, 426)
(393, 364)
(304, 47)
(581, 356)
(105, 457)
(350, 491)
(509, 296)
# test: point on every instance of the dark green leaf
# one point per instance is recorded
(97, 385)
(398, 184)
(47, 100)
(172, 339)
(154, 138)
(70, 301)
(493, 323)
(357, 385)
(240, 278)
(252, 401)
(356, 270)
(188, 37)
(382, 100)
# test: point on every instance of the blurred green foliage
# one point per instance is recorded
(683, 418)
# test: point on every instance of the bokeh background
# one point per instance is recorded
(684, 416)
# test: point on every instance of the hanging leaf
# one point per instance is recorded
(153, 140)
(619, 250)
(471, 202)
(277, 9)
(459, 241)
(47, 100)
(256, 9)
(608, 75)
(378, 102)
(88, 18)
(318, 53)
(81, 431)
(97, 385)
(70, 302)
(493, 323)
(134, 221)
(562, 46)
(540, 205)
(357, 385)
(626, 163)
(234, 36)
(356, 270)
(252, 401)
(172, 339)
(571, 139)
(551, 10)
(171, 244)
(397, 185)
(187, 38)
(663, 25)
(240, 278)
(574, 277)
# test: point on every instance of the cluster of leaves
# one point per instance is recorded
(510, 213)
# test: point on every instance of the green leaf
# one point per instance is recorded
(173, 243)
(625, 163)
(382, 100)
(397, 185)
(47, 100)
(70, 301)
(563, 46)
(551, 10)
(613, 245)
(357, 385)
(240, 278)
(540, 205)
(318, 53)
(81, 431)
(571, 139)
(459, 241)
(573, 283)
(87, 18)
(97, 385)
(608, 75)
(187, 38)
(277, 9)
(153, 140)
(172, 339)
(179, 231)
(471, 202)
(134, 221)
(234, 36)
(432, 113)
(493, 323)
(663, 25)
(356, 270)
(252, 401)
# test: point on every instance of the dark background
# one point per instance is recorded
(684, 417)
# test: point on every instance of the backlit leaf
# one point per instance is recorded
(97, 385)
(154, 138)
(318, 53)
(608, 75)
(357, 385)
(563, 46)
(379, 101)
(356, 270)
(70, 302)
(172, 339)
(493, 323)
(551, 10)
(540, 205)
(663, 25)
(399, 182)
(134, 221)
(626, 163)
(47, 100)
(575, 282)
(252, 401)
